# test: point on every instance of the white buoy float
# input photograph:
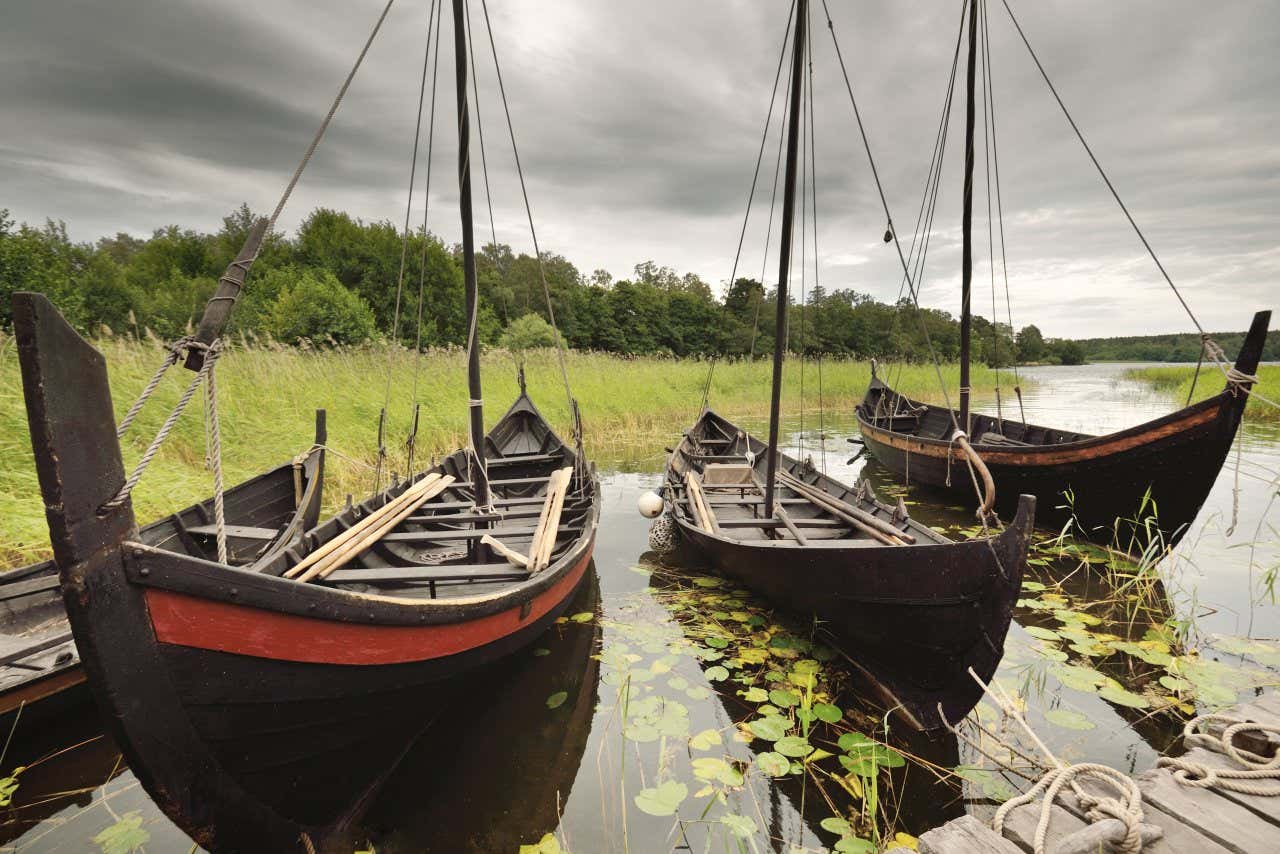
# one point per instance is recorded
(650, 504)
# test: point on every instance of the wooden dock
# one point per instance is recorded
(1212, 821)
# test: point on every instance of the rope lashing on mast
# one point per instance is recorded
(1254, 771)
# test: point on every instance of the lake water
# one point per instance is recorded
(620, 730)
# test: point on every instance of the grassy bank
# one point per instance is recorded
(267, 398)
(1177, 382)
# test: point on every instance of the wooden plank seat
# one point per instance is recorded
(777, 523)
(473, 534)
(425, 573)
(531, 513)
(240, 532)
(14, 649)
(522, 459)
(39, 584)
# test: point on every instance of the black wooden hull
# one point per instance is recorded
(41, 667)
(258, 711)
(1132, 488)
(914, 618)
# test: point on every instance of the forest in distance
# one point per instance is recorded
(336, 280)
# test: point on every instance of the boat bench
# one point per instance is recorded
(239, 532)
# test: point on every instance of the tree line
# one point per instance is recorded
(335, 282)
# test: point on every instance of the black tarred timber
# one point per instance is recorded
(1169, 464)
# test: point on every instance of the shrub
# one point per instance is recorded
(317, 307)
(528, 332)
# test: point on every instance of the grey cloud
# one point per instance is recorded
(639, 124)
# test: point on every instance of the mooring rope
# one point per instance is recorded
(1247, 779)
(1126, 805)
(212, 351)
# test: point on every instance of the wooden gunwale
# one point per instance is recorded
(1092, 448)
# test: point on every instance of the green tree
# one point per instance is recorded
(1030, 344)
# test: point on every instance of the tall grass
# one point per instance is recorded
(268, 395)
(1177, 382)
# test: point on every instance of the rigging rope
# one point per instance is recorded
(875, 173)
(324, 125)
(411, 442)
(404, 253)
(1101, 171)
(755, 177)
(524, 192)
(990, 93)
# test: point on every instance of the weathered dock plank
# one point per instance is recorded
(1210, 814)
(1178, 837)
(1267, 808)
(965, 835)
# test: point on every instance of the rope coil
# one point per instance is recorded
(1126, 805)
(1252, 766)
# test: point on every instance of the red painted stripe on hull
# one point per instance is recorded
(178, 618)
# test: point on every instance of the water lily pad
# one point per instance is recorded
(664, 799)
(1041, 633)
(755, 695)
(773, 764)
(1068, 719)
(753, 655)
(835, 825)
(783, 699)
(717, 673)
(1078, 677)
(1122, 697)
(706, 739)
(793, 745)
(769, 728)
(739, 825)
(677, 683)
(698, 692)
(641, 733)
(711, 768)
(855, 845)
(852, 741)
(557, 699)
(716, 642)
(541, 651)
(583, 617)
(125, 836)
(863, 766)
(708, 581)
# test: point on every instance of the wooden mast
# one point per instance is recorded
(966, 263)
(784, 250)
(479, 475)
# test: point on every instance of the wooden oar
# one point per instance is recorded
(841, 509)
(363, 525)
(790, 526)
(853, 510)
(545, 537)
(371, 535)
(705, 518)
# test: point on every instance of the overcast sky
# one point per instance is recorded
(639, 125)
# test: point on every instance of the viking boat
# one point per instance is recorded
(40, 668)
(914, 610)
(261, 707)
(1134, 488)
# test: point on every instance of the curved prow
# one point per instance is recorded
(1254, 340)
(73, 433)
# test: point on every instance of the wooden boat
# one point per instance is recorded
(914, 616)
(1168, 465)
(1135, 489)
(40, 667)
(239, 695)
(914, 610)
(261, 707)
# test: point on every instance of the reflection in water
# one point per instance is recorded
(502, 769)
